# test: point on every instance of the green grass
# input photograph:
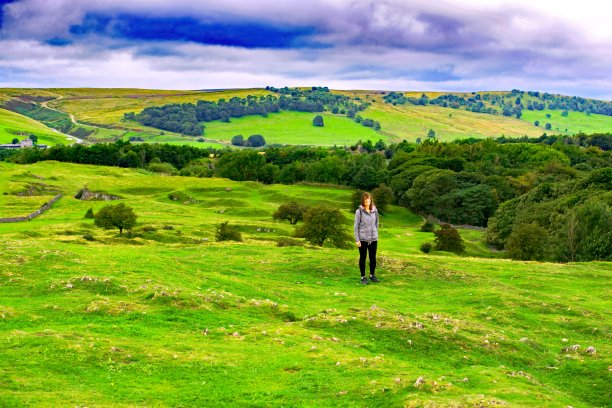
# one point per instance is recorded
(173, 318)
(108, 106)
(11, 122)
(411, 122)
(294, 128)
(574, 122)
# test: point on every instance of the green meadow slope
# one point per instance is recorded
(14, 125)
(102, 111)
(170, 317)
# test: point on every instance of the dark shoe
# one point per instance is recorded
(374, 279)
(364, 281)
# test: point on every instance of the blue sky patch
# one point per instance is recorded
(58, 42)
(246, 34)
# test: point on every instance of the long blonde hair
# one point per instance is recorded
(363, 197)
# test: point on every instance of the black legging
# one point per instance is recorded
(363, 250)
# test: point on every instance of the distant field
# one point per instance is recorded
(411, 122)
(106, 107)
(294, 128)
(574, 122)
(10, 121)
(172, 317)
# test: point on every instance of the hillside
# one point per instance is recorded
(98, 116)
(14, 125)
(172, 317)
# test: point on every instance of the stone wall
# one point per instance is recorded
(36, 213)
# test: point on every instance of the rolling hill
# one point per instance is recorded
(166, 315)
(99, 116)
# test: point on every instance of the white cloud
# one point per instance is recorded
(383, 44)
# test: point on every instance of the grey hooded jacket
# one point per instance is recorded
(366, 225)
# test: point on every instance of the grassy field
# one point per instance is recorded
(11, 122)
(106, 107)
(171, 317)
(574, 122)
(294, 128)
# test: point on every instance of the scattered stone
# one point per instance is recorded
(316, 337)
(363, 359)
(420, 381)
(342, 392)
(205, 332)
(236, 334)
(574, 347)
(335, 339)
(465, 379)
(524, 339)
(339, 294)
(591, 350)
(397, 380)
(115, 350)
(564, 340)
(338, 363)
(313, 348)
(70, 286)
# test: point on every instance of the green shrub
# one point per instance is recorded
(426, 247)
(90, 214)
(527, 242)
(227, 232)
(88, 237)
(448, 239)
(163, 168)
(168, 227)
(428, 226)
(291, 211)
(285, 242)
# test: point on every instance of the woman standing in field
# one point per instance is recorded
(366, 236)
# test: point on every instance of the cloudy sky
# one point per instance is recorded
(439, 45)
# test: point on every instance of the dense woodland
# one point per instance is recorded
(555, 188)
(509, 104)
(189, 118)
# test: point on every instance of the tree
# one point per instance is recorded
(448, 239)
(548, 126)
(537, 123)
(15, 141)
(318, 121)
(255, 141)
(291, 211)
(323, 223)
(116, 216)
(268, 173)
(383, 196)
(527, 241)
(33, 138)
(240, 165)
(431, 134)
(238, 140)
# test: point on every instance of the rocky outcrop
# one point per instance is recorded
(87, 195)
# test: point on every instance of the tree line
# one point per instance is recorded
(509, 104)
(549, 185)
(188, 118)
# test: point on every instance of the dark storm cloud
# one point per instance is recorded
(247, 34)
